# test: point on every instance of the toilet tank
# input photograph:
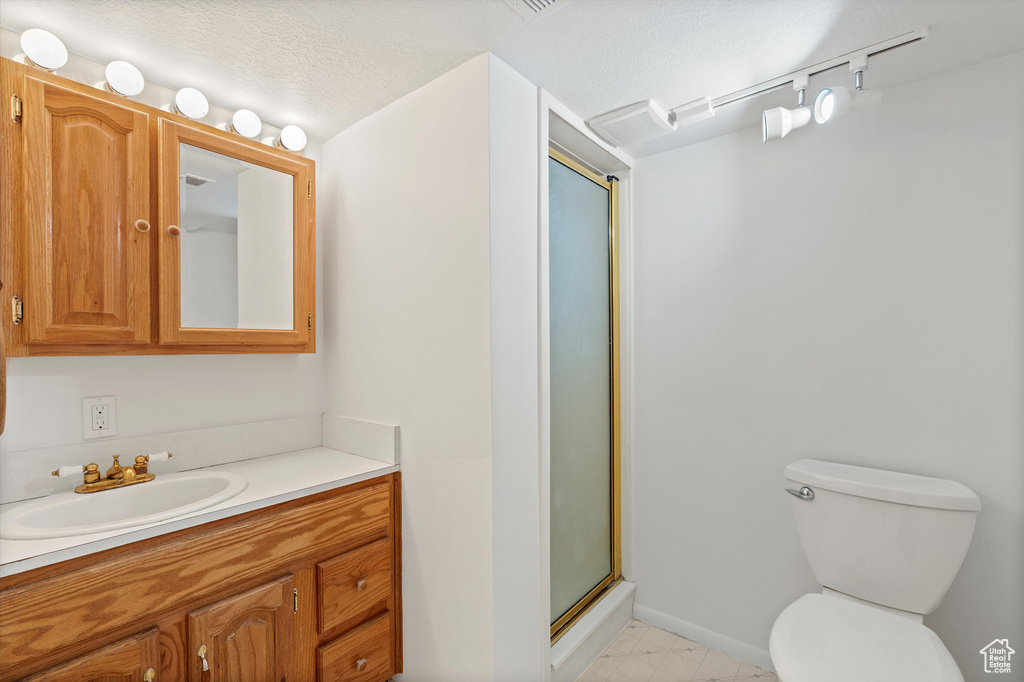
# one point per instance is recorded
(889, 538)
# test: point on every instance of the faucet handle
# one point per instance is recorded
(142, 461)
(91, 471)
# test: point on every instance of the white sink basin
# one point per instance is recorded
(69, 513)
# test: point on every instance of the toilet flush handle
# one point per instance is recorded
(804, 493)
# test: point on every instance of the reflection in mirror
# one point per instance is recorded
(236, 243)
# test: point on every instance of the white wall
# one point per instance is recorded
(407, 286)
(852, 293)
(522, 630)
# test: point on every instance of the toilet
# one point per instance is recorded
(885, 546)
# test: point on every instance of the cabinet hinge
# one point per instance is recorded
(17, 309)
(309, 189)
(295, 600)
(309, 322)
(16, 108)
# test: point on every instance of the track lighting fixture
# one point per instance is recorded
(642, 121)
(778, 122)
(832, 104)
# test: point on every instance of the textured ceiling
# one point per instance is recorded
(325, 64)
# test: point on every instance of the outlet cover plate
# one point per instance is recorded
(87, 417)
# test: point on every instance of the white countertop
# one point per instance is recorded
(272, 480)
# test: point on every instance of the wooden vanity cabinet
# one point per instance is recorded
(91, 232)
(305, 591)
(134, 659)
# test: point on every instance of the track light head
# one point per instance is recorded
(832, 104)
(776, 123)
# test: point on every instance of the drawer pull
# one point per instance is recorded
(361, 585)
(142, 226)
(173, 230)
(361, 664)
(149, 675)
(201, 653)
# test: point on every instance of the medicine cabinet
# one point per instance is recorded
(130, 230)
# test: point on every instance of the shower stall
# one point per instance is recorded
(584, 381)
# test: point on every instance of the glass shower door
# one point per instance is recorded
(583, 412)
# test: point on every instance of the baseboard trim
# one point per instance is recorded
(709, 638)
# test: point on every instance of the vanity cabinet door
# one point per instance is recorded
(246, 638)
(236, 245)
(86, 227)
(135, 659)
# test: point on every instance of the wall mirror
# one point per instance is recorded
(235, 244)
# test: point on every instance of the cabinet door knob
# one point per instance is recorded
(173, 230)
(201, 653)
(142, 225)
(149, 675)
(361, 585)
(361, 665)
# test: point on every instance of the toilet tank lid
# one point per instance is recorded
(888, 486)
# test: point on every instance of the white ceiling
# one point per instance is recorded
(325, 64)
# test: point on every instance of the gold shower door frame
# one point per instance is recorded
(566, 621)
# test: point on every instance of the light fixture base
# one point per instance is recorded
(692, 112)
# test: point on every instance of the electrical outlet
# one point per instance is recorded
(99, 417)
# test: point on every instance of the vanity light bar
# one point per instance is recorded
(45, 51)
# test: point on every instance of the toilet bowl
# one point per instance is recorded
(885, 546)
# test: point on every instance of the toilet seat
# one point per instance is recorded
(819, 638)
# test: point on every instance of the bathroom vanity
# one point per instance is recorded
(308, 588)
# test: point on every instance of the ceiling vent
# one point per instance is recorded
(634, 123)
(532, 10)
(196, 180)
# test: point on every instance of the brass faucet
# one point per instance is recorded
(116, 476)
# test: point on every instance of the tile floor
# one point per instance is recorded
(642, 653)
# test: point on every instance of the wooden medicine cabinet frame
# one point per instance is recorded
(125, 293)
(172, 135)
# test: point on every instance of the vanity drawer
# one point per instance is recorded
(362, 654)
(352, 583)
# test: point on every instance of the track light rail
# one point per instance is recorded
(821, 67)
